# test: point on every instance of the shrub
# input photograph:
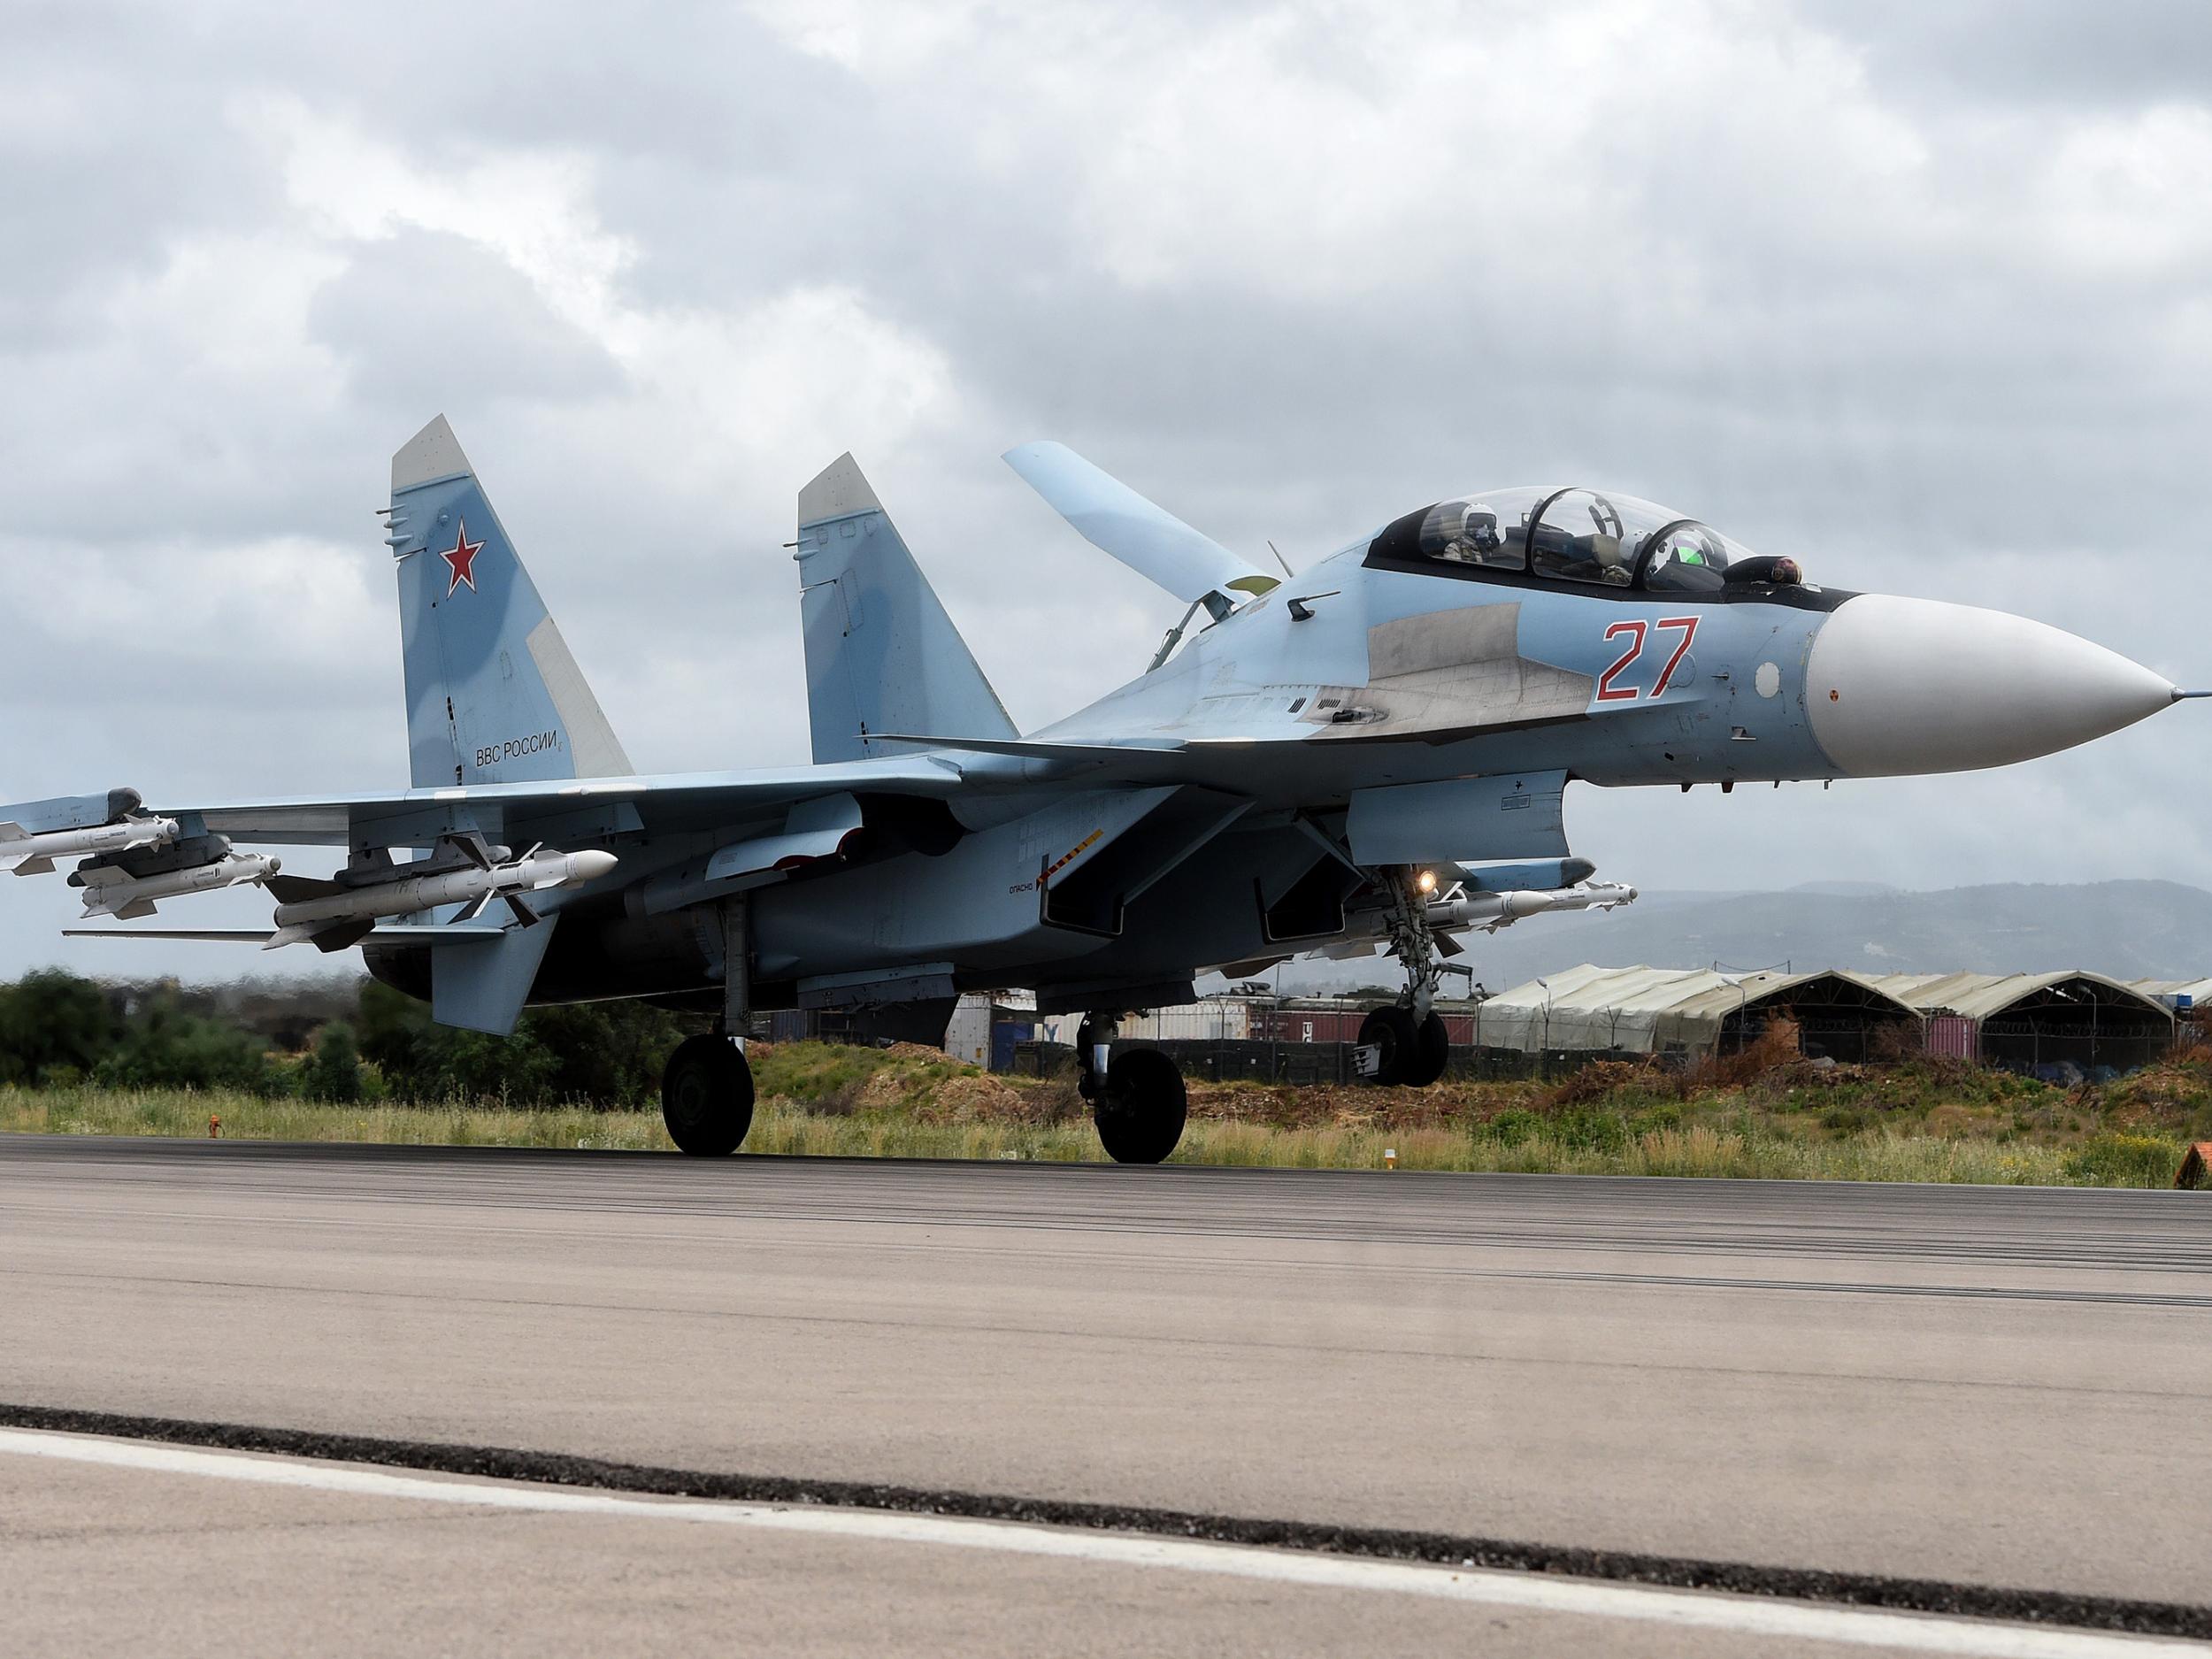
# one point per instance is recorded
(333, 1072)
(164, 1048)
(1776, 1046)
(54, 1026)
(2117, 1160)
(601, 1054)
(1599, 1079)
(1513, 1126)
(1582, 1130)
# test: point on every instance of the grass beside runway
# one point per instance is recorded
(1772, 1121)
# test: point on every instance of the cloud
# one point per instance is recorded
(1912, 292)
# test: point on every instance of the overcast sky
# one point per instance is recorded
(1917, 293)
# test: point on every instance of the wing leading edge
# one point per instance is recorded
(563, 807)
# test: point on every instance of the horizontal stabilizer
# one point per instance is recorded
(1149, 540)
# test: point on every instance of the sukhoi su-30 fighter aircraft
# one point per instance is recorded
(1373, 750)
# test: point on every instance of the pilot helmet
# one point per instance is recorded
(1478, 527)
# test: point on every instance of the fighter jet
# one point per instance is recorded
(1328, 756)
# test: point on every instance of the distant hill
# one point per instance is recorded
(2127, 929)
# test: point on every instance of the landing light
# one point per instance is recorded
(1426, 881)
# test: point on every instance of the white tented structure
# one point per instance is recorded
(2178, 994)
(2027, 1022)
(1686, 1010)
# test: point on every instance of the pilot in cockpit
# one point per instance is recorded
(1477, 541)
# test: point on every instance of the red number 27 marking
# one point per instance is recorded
(1636, 632)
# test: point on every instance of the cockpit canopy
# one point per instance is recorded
(1569, 535)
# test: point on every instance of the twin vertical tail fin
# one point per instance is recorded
(881, 655)
(493, 695)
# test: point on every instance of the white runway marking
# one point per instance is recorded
(1784, 1621)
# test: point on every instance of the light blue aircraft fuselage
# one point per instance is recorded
(1308, 767)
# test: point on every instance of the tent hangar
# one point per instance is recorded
(2026, 1022)
(1674, 1011)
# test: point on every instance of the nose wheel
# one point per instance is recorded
(706, 1096)
(1137, 1102)
(1407, 1053)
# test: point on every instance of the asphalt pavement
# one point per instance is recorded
(1986, 1387)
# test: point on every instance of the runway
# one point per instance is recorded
(1987, 1388)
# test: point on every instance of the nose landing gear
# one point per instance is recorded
(1406, 1044)
(1407, 1053)
(1138, 1101)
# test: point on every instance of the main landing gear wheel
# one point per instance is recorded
(1412, 1052)
(706, 1096)
(1141, 1108)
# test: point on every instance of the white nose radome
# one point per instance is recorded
(1902, 685)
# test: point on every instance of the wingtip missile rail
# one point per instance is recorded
(33, 851)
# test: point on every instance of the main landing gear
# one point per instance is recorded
(707, 1087)
(1406, 1044)
(706, 1096)
(1137, 1098)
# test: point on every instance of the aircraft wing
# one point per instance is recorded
(562, 808)
(403, 933)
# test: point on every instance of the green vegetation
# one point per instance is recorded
(76, 1058)
(373, 1045)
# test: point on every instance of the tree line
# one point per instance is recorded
(365, 1043)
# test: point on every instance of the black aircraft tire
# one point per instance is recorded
(707, 1097)
(1140, 1112)
(1431, 1049)
(1391, 1031)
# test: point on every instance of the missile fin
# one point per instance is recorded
(298, 890)
(344, 936)
(41, 866)
(471, 847)
(12, 832)
(284, 936)
(521, 906)
(135, 909)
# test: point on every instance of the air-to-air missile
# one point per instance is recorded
(335, 914)
(114, 889)
(32, 852)
(1458, 897)
(1493, 910)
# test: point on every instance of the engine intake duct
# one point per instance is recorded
(1312, 907)
(1091, 897)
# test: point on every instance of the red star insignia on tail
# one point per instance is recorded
(461, 556)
